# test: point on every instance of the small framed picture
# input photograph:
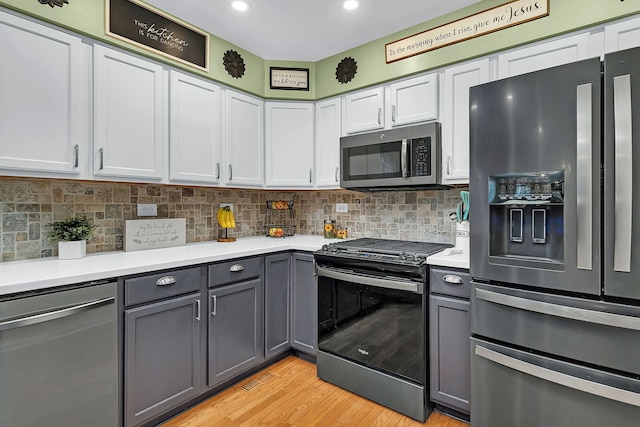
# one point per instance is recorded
(289, 78)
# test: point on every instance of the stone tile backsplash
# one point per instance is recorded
(27, 205)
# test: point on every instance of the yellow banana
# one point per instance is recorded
(221, 217)
(227, 223)
(232, 220)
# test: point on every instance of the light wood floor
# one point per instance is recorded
(289, 393)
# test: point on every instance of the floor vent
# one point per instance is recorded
(250, 385)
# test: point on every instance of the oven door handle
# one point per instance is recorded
(387, 283)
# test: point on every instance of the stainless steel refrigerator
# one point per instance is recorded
(555, 259)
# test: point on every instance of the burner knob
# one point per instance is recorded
(403, 256)
(333, 249)
(418, 258)
(325, 248)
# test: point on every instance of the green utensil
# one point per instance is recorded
(464, 195)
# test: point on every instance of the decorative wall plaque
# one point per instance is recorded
(151, 29)
(495, 19)
(141, 234)
(233, 63)
(289, 78)
(346, 70)
(53, 3)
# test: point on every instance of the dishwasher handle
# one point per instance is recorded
(55, 314)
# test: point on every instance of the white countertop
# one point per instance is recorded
(450, 257)
(27, 275)
(34, 274)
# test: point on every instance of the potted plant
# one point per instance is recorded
(71, 234)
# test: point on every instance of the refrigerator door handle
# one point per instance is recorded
(584, 177)
(550, 375)
(558, 310)
(623, 174)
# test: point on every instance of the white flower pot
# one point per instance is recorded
(72, 250)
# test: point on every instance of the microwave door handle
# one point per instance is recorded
(404, 159)
(623, 174)
(584, 177)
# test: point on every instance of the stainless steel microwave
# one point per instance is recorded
(400, 158)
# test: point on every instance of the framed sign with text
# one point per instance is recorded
(497, 18)
(289, 78)
(151, 29)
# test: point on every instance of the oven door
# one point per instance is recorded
(375, 321)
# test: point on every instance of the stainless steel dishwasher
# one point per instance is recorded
(59, 357)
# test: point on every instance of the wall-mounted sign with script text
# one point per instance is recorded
(289, 78)
(141, 234)
(491, 20)
(144, 26)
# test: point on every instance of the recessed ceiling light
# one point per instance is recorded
(240, 5)
(351, 4)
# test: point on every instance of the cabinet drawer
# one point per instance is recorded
(234, 271)
(449, 281)
(161, 285)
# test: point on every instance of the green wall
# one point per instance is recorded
(88, 17)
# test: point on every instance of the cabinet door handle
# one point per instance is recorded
(448, 165)
(236, 267)
(337, 174)
(452, 279)
(214, 304)
(218, 170)
(230, 172)
(76, 152)
(101, 158)
(379, 116)
(310, 175)
(197, 310)
(166, 281)
(393, 113)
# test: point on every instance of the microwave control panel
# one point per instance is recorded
(421, 156)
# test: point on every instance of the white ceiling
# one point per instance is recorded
(305, 30)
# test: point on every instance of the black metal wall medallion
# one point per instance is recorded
(346, 70)
(233, 63)
(53, 3)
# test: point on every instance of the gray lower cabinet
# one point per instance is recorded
(277, 300)
(235, 318)
(449, 332)
(304, 305)
(162, 342)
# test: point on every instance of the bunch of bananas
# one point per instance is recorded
(225, 217)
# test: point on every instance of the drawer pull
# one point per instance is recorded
(236, 267)
(214, 304)
(452, 279)
(166, 280)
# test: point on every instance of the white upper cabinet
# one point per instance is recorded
(544, 55)
(244, 142)
(327, 144)
(289, 144)
(414, 100)
(455, 118)
(622, 35)
(44, 102)
(195, 135)
(130, 116)
(409, 101)
(364, 110)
